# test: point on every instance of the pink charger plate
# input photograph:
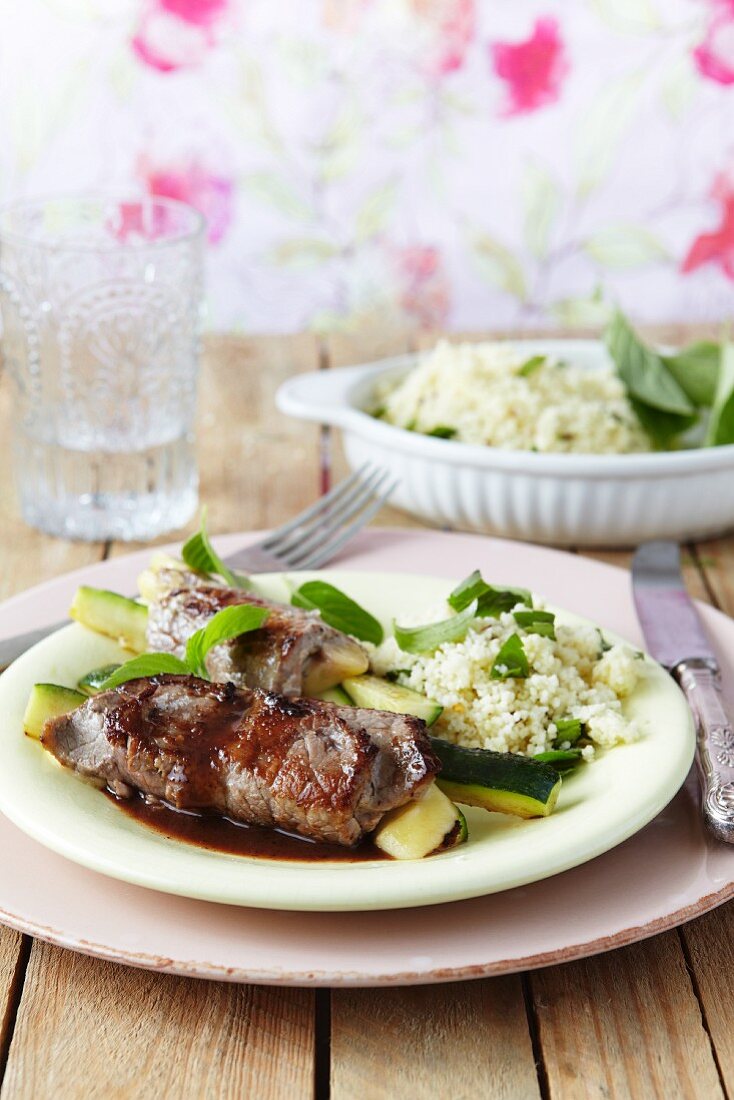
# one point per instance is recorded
(665, 875)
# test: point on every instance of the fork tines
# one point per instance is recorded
(317, 534)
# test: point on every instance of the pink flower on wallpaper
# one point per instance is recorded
(715, 55)
(176, 34)
(453, 25)
(533, 70)
(208, 192)
(425, 293)
(716, 247)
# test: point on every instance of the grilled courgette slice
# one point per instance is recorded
(500, 781)
(92, 682)
(49, 701)
(111, 614)
(426, 825)
(336, 695)
(378, 694)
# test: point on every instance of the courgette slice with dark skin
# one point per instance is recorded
(500, 781)
(92, 682)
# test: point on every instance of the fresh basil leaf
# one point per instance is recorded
(568, 729)
(563, 760)
(200, 555)
(643, 371)
(228, 623)
(662, 406)
(537, 622)
(663, 428)
(531, 365)
(442, 432)
(491, 601)
(470, 589)
(511, 661)
(720, 429)
(424, 639)
(147, 664)
(497, 600)
(696, 369)
(338, 610)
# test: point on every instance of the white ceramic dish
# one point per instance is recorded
(600, 806)
(593, 500)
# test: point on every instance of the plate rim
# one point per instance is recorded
(320, 978)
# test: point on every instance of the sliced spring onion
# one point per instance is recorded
(424, 639)
(228, 623)
(338, 610)
(441, 431)
(537, 622)
(200, 555)
(511, 661)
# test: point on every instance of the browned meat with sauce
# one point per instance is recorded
(294, 652)
(324, 771)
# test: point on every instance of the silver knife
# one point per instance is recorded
(676, 638)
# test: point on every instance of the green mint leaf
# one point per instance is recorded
(511, 661)
(425, 639)
(568, 729)
(531, 365)
(721, 424)
(537, 622)
(147, 664)
(442, 432)
(696, 369)
(228, 623)
(200, 555)
(338, 610)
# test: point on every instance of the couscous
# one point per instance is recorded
(574, 675)
(495, 395)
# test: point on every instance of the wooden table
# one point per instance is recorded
(652, 1020)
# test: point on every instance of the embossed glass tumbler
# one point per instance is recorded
(100, 303)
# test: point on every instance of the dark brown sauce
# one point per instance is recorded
(219, 834)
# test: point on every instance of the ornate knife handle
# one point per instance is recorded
(715, 753)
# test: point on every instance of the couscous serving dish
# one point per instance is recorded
(549, 496)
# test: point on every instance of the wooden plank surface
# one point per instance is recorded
(653, 1020)
(93, 1029)
(462, 1041)
(624, 1024)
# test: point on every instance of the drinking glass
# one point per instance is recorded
(100, 302)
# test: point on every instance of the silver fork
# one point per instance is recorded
(314, 537)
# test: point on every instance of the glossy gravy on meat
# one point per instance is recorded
(218, 834)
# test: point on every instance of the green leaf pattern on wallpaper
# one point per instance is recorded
(420, 163)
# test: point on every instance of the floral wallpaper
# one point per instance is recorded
(411, 163)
